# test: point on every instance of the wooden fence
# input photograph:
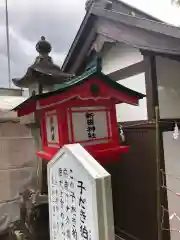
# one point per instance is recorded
(134, 185)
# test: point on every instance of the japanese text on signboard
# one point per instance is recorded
(69, 206)
(52, 127)
(89, 123)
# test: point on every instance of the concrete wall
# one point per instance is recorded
(11, 92)
(168, 76)
(120, 56)
(17, 169)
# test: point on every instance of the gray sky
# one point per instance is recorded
(59, 21)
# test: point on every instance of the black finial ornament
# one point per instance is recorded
(43, 47)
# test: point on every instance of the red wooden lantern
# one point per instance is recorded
(82, 110)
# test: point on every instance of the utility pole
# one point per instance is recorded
(8, 45)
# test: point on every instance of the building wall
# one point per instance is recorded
(120, 56)
(172, 166)
(168, 77)
(126, 112)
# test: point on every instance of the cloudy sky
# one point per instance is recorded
(59, 21)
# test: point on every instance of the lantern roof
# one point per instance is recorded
(65, 90)
(95, 71)
(43, 70)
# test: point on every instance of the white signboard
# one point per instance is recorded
(80, 197)
(90, 123)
